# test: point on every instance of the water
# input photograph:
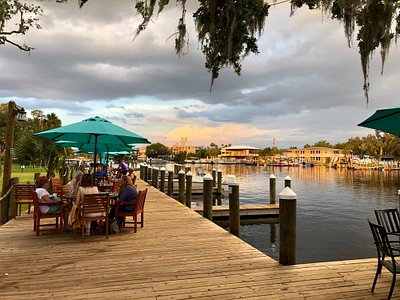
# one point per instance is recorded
(332, 208)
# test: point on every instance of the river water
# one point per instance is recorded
(332, 208)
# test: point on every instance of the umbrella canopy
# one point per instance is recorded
(101, 148)
(97, 132)
(387, 120)
(94, 131)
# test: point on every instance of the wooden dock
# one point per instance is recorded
(177, 255)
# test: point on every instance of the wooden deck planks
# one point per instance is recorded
(177, 255)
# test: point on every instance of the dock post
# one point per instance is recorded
(187, 168)
(149, 174)
(234, 209)
(287, 227)
(272, 189)
(214, 176)
(189, 177)
(177, 168)
(170, 183)
(162, 179)
(181, 186)
(141, 172)
(219, 187)
(288, 181)
(145, 167)
(154, 182)
(207, 196)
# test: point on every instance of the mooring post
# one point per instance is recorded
(187, 169)
(189, 177)
(141, 172)
(272, 189)
(207, 196)
(156, 172)
(234, 209)
(181, 186)
(170, 183)
(162, 179)
(287, 227)
(150, 175)
(177, 168)
(145, 172)
(219, 187)
(288, 181)
(214, 176)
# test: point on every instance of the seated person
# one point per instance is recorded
(132, 175)
(123, 167)
(127, 193)
(100, 172)
(86, 188)
(44, 196)
(75, 182)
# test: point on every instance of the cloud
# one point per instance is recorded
(305, 85)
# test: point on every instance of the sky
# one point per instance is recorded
(304, 86)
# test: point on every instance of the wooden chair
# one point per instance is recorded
(38, 215)
(389, 219)
(116, 186)
(55, 183)
(94, 207)
(62, 190)
(23, 194)
(138, 209)
(386, 258)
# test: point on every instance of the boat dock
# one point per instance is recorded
(177, 255)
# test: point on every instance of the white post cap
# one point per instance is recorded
(288, 178)
(189, 173)
(287, 194)
(181, 172)
(162, 169)
(219, 170)
(207, 177)
(272, 176)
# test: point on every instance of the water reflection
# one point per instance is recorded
(332, 208)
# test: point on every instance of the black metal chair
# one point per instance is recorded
(386, 258)
(389, 218)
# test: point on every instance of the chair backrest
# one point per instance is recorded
(389, 219)
(36, 208)
(381, 240)
(116, 186)
(95, 203)
(139, 205)
(24, 191)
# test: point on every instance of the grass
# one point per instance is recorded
(25, 175)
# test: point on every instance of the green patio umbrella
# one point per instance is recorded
(101, 148)
(94, 131)
(387, 120)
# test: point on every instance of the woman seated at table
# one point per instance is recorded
(127, 193)
(86, 188)
(42, 186)
(75, 182)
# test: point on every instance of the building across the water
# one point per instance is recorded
(239, 154)
(183, 147)
(316, 155)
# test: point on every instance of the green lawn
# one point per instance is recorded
(25, 176)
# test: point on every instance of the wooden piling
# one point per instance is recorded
(187, 169)
(207, 196)
(156, 172)
(177, 168)
(170, 188)
(162, 179)
(288, 181)
(141, 172)
(287, 227)
(234, 209)
(214, 176)
(181, 186)
(189, 177)
(145, 172)
(219, 187)
(272, 189)
(149, 173)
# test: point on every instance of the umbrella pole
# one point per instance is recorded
(95, 159)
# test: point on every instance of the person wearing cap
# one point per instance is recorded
(123, 167)
(44, 196)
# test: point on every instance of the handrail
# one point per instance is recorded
(6, 194)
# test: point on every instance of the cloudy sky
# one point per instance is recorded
(304, 86)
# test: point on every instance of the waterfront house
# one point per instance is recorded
(316, 155)
(183, 147)
(239, 154)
